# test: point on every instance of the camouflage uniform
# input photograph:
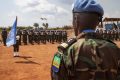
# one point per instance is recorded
(89, 56)
(85, 60)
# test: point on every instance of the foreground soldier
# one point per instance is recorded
(88, 57)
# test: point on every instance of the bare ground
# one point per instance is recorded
(34, 63)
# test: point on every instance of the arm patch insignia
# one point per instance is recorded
(56, 63)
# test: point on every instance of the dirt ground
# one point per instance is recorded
(34, 63)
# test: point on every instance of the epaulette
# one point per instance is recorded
(67, 44)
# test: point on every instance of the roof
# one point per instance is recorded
(111, 19)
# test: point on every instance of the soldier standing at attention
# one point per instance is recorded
(19, 33)
(16, 47)
(64, 35)
(44, 37)
(30, 37)
(53, 36)
(86, 57)
(25, 37)
(4, 36)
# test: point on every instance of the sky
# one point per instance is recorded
(57, 12)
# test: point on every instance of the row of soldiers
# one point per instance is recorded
(32, 36)
(37, 36)
(41, 36)
(112, 35)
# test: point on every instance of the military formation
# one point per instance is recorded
(113, 35)
(33, 36)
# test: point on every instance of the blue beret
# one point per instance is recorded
(87, 6)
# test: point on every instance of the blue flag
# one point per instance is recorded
(11, 38)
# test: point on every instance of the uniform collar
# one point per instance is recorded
(88, 31)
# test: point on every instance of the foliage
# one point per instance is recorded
(61, 28)
(36, 25)
(30, 27)
(45, 25)
(67, 27)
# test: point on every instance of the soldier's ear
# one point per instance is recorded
(100, 19)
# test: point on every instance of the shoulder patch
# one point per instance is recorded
(56, 63)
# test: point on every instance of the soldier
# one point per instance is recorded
(53, 36)
(64, 35)
(60, 36)
(86, 57)
(48, 35)
(105, 34)
(16, 47)
(101, 33)
(56, 36)
(19, 33)
(25, 34)
(44, 37)
(36, 36)
(114, 32)
(112, 35)
(109, 34)
(97, 31)
(40, 36)
(30, 36)
(4, 36)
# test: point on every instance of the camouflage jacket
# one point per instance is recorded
(89, 59)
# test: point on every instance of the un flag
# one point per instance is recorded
(11, 39)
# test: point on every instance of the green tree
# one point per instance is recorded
(36, 25)
(45, 25)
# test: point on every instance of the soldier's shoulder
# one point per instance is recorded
(100, 42)
(67, 44)
(71, 43)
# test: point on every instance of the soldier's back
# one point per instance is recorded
(89, 59)
(96, 60)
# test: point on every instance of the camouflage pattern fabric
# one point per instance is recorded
(89, 59)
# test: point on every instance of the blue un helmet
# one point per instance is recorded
(86, 15)
(87, 6)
